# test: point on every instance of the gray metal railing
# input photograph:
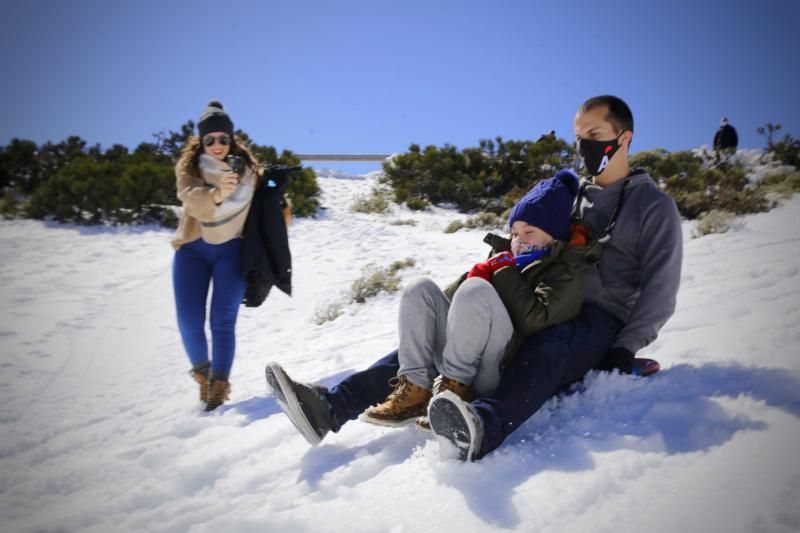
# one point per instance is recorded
(340, 157)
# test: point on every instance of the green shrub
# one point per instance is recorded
(9, 206)
(81, 192)
(20, 167)
(714, 221)
(377, 202)
(375, 280)
(475, 178)
(698, 188)
(328, 313)
(399, 265)
(403, 222)
(372, 282)
(304, 192)
(786, 150)
(454, 226)
(86, 191)
(485, 220)
(168, 217)
(417, 204)
(780, 183)
(69, 181)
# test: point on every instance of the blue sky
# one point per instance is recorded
(376, 76)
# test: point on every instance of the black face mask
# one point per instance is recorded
(597, 154)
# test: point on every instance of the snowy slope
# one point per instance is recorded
(101, 430)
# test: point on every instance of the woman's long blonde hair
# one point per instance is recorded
(190, 155)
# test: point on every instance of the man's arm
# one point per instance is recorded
(661, 256)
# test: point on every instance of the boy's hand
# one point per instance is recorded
(481, 270)
(503, 259)
(487, 268)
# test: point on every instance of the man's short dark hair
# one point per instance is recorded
(619, 114)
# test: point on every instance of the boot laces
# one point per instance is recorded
(400, 392)
(441, 383)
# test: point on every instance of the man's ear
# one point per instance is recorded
(626, 137)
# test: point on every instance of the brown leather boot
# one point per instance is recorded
(218, 392)
(441, 384)
(405, 403)
(201, 375)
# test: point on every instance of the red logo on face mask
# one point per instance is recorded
(607, 149)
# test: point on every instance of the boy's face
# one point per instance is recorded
(525, 237)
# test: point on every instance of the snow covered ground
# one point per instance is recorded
(101, 430)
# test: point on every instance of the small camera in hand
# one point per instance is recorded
(236, 162)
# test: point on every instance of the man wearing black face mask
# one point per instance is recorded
(637, 279)
(627, 299)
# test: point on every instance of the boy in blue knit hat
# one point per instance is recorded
(461, 339)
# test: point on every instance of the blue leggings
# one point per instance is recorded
(196, 264)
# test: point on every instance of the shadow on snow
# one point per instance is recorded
(673, 412)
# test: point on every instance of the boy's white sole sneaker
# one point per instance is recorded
(454, 422)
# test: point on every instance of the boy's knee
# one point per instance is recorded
(473, 288)
(420, 287)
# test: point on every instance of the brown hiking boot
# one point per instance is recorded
(405, 403)
(218, 392)
(200, 375)
(441, 384)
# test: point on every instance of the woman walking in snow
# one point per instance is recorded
(216, 200)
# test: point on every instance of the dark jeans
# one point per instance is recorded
(360, 390)
(545, 363)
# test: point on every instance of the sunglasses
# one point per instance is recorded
(209, 140)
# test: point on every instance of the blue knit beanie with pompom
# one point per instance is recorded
(548, 205)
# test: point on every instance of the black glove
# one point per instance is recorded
(617, 358)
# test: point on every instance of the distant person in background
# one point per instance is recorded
(726, 140)
(208, 247)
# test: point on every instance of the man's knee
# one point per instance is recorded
(545, 355)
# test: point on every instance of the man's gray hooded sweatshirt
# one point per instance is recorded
(638, 275)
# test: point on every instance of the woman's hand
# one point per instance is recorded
(227, 184)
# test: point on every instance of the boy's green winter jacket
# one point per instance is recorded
(546, 292)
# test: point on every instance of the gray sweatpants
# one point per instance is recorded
(462, 340)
